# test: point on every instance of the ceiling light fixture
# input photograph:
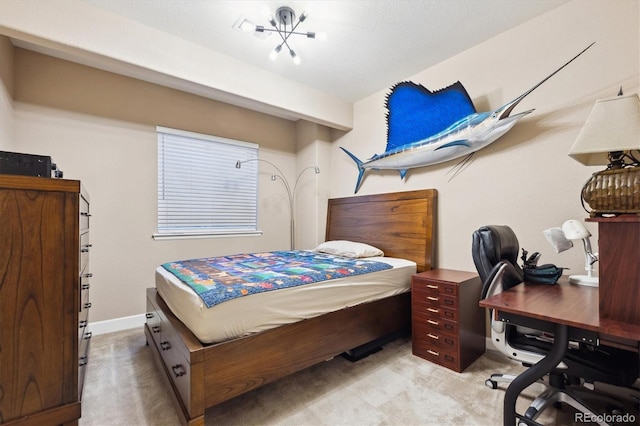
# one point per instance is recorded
(283, 24)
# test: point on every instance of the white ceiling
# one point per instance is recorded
(371, 44)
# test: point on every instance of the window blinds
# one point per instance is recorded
(200, 190)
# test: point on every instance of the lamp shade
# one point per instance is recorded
(613, 125)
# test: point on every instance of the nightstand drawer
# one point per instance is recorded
(436, 311)
(435, 354)
(434, 287)
(427, 298)
(435, 324)
(431, 338)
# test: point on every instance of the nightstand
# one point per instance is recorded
(448, 325)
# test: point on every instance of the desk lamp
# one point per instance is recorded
(611, 136)
(575, 230)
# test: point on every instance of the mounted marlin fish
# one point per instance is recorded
(453, 127)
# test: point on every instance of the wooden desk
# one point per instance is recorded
(618, 243)
(564, 309)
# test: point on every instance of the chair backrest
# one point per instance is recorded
(492, 247)
(495, 253)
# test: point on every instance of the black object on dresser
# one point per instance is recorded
(42, 303)
(448, 326)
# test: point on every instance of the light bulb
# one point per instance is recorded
(296, 58)
(274, 53)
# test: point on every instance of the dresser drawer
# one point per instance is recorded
(83, 317)
(84, 213)
(83, 360)
(85, 247)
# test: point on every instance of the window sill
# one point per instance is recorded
(191, 236)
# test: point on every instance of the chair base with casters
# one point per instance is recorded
(492, 382)
(572, 395)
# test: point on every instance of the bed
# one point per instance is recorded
(202, 375)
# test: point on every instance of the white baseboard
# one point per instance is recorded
(117, 324)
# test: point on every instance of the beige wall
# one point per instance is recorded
(6, 91)
(56, 83)
(99, 128)
(525, 179)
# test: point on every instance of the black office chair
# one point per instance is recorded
(495, 252)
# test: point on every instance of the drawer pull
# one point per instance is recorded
(432, 322)
(449, 327)
(155, 329)
(435, 299)
(448, 314)
(149, 315)
(433, 336)
(450, 341)
(83, 324)
(87, 214)
(449, 302)
(87, 305)
(85, 248)
(85, 286)
(88, 335)
(433, 352)
(435, 287)
(84, 360)
(165, 346)
(449, 358)
(448, 290)
(435, 311)
(178, 370)
(87, 275)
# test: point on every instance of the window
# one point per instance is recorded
(200, 190)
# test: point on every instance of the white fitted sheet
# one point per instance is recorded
(263, 311)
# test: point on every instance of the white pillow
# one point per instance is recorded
(348, 249)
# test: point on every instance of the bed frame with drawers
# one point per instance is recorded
(200, 376)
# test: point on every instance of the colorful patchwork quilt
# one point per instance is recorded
(218, 279)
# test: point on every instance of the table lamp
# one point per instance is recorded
(611, 136)
(575, 230)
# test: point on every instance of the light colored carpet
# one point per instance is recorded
(391, 387)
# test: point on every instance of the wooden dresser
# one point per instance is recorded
(43, 308)
(448, 325)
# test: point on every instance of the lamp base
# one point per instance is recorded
(584, 280)
(613, 192)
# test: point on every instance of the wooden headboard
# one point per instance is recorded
(402, 224)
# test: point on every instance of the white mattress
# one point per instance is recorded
(263, 311)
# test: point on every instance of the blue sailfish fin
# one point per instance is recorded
(361, 169)
(415, 113)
